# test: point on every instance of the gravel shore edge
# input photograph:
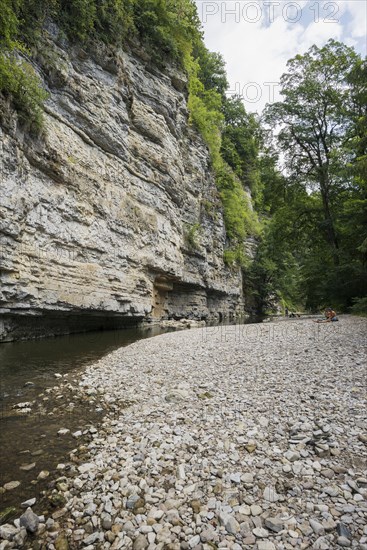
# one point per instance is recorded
(236, 436)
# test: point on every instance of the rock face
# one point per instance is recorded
(112, 215)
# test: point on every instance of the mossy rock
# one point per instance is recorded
(7, 513)
(218, 488)
(205, 395)
(196, 506)
(56, 500)
(61, 543)
(139, 505)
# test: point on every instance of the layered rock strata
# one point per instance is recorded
(112, 215)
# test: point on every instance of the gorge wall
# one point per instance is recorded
(112, 215)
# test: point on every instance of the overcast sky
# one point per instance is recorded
(256, 38)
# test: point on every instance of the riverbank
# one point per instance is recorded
(39, 395)
(238, 436)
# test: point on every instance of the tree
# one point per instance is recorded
(314, 119)
(9, 24)
(240, 142)
(357, 146)
(321, 131)
(275, 276)
(212, 72)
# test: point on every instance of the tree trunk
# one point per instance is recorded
(330, 230)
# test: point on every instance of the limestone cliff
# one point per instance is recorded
(112, 215)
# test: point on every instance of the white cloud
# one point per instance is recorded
(357, 10)
(256, 50)
(320, 34)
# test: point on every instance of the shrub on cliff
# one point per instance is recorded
(19, 82)
(163, 26)
(21, 85)
(230, 135)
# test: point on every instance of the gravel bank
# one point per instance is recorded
(251, 436)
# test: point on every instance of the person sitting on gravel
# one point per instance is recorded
(294, 315)
(330, 316)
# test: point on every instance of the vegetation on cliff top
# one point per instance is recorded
(166, 28)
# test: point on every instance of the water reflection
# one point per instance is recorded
(37, 361)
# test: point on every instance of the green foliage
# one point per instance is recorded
(152, 22)
(275, 274)
(205, 111)
(9, 23)
(314, 121)
(236, 256)
(317, 215)
(192, 236)
(168, 29)
(78, 17)
(165, 27)
(20, 83)
(208, 121)
(355, 205)
(32, 15)
(213, 114)
(212, 71)
(240, 143)
(240, 220)
(114, 20)
(359, 306)
(210, 208)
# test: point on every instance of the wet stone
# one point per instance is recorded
(27, 467)
(61, 543)
(21, 537)
(260, 532)
(11, 485)
(7, 531)
(28, 503)
(140, 543)
(255, 510)
(29, 521)
(270, 494)
(317, 527)
(343, 531)
(344, 541)
(265, 545)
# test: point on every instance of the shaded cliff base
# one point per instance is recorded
(23, 327)
(169, 300)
